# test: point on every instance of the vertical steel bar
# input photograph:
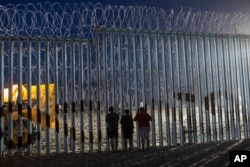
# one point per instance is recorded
(187, 80)
(236, 88)
(214, 103)
(112, 69)
(198, 77)
(38, 99)
(182, 80)
(20, 98)
(141, 36)
(248, 82)
(135, 83)
(81, 73)
(2, 42)
(221, 93)
(105, 52)
(65, 97)
(242, 85)
(205, 90)
(119, 51)
(10, 98)
(210, 82)
(47, 95)
(56, 100)
(173, 101)
(158, 93)
(225, 85)
(165, 83)
(90, 98)
(179, 85)
(99, 134)
(169, 65)
(73, 111)
(128, 72)
(30, 106)
(218, 84)
(208, 78)
(231, 83)
(151, 89)
(191, 87)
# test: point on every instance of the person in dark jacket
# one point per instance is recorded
(112, 119)
(127, 129)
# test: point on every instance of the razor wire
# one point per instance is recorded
(78, 19)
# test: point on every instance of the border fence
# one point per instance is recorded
(55, 91)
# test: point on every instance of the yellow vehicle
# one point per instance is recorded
(34, 111)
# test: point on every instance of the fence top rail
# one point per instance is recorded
(162, 32)
(44, 39)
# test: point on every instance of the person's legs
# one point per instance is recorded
(112, 144)
(147, 142)
(116, 139)
(131, 143)
(142, 143)
(125, 143)
(147, 137)
(111, 135)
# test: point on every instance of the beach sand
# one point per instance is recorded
(208, 154)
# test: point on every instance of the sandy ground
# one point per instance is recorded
(209, 154)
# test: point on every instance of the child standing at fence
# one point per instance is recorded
(127, 129)
(112, 119)
(143, 119)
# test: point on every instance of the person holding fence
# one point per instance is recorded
(143, 119)
(112, 119)
(127, 129)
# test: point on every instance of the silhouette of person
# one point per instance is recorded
(143, 119)
(112, 119)
(127, 129)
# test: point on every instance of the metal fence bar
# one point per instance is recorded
(150, 77)
(231, 86)
(90, 109)
(73, 103)
(105, 56)
(56, 100)
(98, 71)
(173, 102)
(165, 99)
(47, 96)
(189, 92)
(248, 66)
(236, 78)
(65, 98)
(198, 89)
(226, 88)
(20, 99)
(158, 92)
(10, 99)
(120, 76)
(135, 82)
(81, 94)
(242, 85)
(2, 133)
(211, 88)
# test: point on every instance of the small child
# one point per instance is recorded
(127, 129)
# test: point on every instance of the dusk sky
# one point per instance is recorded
(204, 5)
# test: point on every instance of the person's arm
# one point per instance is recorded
(150, 118)
(135, 118)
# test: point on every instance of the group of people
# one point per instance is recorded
(143, 119)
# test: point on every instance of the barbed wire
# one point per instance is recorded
(78, 19)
